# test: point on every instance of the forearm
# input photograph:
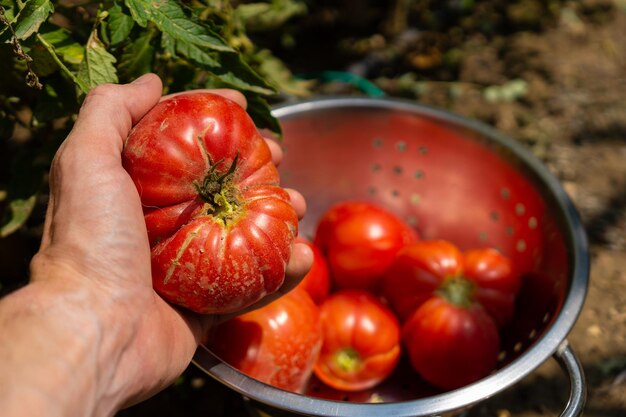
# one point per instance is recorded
(53, 347)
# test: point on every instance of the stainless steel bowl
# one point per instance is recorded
(452, 178)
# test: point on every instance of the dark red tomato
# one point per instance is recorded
(361, 341)
(220, 226)
(422, 268)
(360, 240)
(449, 345)
(317, 281)
(277, 343)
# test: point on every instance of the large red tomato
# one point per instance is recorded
(360, 240)
(361, 341)
(451, 345)
(220, 226)
(317, 281)
(277, 343)
(423, 268)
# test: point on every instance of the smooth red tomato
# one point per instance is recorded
(317, 281)
(422, 268)
(449, 345)
(220, 226)
(277, 343)
(360, 240)
(361, 341)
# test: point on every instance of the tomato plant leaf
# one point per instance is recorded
(170, 18)
(197, 54)
(261, 113)
(64, 45)
(19, 210)
(120, 25)
(97, 67)
(237, 74)
(138, 11)
(137, 57)
(34, 13)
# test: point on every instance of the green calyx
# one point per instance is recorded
(348, 359)
(218, 191)
(458, 291)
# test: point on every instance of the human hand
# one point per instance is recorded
(95, 242)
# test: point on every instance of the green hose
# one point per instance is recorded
(364, 85)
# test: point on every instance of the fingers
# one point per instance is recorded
(277, 151)
(298, 266)
(297, 201)
(109, 111)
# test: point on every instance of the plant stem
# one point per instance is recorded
(61, 65)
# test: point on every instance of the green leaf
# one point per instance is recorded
(120, 25)
(168, 44)
(19, 210)
(235, 73)
(97, 67)
(137, 57)
(34, 13)
(261, 113)
(43, 63)
(197, 54)
(138, 11)
(64, 45)
(170, 18)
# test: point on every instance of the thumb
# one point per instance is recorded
(109, 111)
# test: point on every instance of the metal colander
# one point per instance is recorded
(451, 178)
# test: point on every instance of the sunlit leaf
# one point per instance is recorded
(97, 67)
(120, 25)
(170, 18)
(138, 11)
(34, 13)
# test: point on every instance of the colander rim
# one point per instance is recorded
(505, 377)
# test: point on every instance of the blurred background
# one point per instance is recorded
(548, 73)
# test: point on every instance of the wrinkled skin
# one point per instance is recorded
(220, 226)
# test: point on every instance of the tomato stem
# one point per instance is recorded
(218, 192)
(348, 359)
(458, 291)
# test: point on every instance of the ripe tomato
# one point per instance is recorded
(317, 281)
(360, 240)
(361, 341)
(422, 268)
(277, 343)
(220, 226)
(451, 345)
